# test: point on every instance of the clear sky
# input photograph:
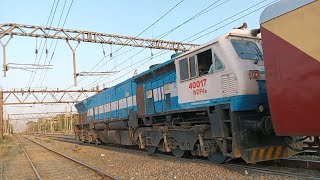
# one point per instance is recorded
(123, 17)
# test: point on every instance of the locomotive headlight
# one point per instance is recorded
(254, 74)
(261, 108)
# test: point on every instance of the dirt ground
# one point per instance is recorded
(11, 159)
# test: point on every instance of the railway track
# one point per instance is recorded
(49, 164)
(260, 167)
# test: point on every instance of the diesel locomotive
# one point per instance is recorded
(214, 100)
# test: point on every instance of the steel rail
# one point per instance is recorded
(29, 159)
(269, 171)
(286, 162)
(79, 162)
(314, 164)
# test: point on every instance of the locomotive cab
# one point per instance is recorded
(229, 69)
(227, 77)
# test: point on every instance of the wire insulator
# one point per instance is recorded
(151, 54)
(36, 51)
(110, 50)
(103, 51)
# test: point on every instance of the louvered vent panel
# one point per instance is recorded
(229, 85)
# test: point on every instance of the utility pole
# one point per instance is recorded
(39, 125)
(6, 126)
(51, 126)
(1, 115)
(65, 122)
(71, 126)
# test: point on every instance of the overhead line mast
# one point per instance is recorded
(12, 29)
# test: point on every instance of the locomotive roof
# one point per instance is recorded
(153, 68)
(282, 7)
(234, 32)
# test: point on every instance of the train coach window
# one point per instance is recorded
(204, 62)
(247, 49)
(184, 72)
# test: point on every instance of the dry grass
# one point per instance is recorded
(47, 140)
(5, 145)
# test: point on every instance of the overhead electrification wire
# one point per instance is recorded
(207, 29)
(39, 59)
(229, 19)
(206, 10)
(62, 11)
(35, 60)
(176, 5)
(65, 20)
(202, 12)
(162, 52)
(51, 43)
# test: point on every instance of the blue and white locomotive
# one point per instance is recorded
(210, 101)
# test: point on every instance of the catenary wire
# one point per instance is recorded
(171, 9)
(211, 31)
(202, 12)
(39, 59)
(65, 20)
(62, 11)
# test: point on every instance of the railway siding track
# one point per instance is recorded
(49, 164)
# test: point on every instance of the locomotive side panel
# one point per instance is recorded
(292, 56)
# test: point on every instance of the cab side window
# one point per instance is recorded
(204, 62)
(184, 72)
(200, 65)
(216, 65)
(193, 70)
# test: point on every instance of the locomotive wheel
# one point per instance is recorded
(179, 153)
(217, 157)
(151, 149)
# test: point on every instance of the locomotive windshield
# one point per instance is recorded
(247, 49)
